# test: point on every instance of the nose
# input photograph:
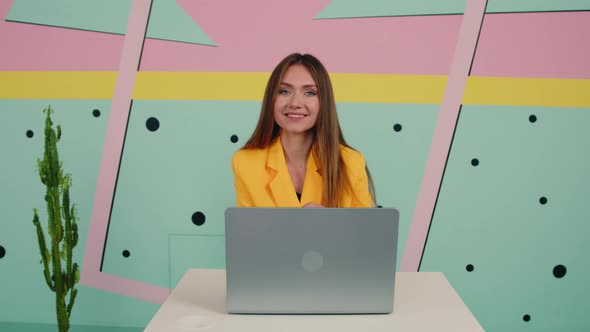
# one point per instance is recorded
(296, 101)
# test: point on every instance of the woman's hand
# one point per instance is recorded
(312, 205)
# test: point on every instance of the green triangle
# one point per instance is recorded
(108, 16)
(511, 6)
(380, 8)
(169, 21)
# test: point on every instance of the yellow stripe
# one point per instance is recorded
(406, 89)
(527, 91)
(250, 86)
(200, 86)
(57, 85)
(376, 88)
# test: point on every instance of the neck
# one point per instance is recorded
(296, 146)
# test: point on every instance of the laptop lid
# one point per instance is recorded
(310, 260)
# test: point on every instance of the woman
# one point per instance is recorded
(297, 155)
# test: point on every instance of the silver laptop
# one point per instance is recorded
(310, 260)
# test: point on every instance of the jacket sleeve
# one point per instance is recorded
(361, 196)
(242, 195)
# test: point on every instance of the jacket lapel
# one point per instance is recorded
(280, 183)
(312, 185)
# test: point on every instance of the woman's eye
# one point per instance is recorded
(310, 93)
(283, 92)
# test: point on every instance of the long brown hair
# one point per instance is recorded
(327, 136)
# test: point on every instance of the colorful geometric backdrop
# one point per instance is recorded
(472, 116)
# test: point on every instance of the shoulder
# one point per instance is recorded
(350, 155)
(249, 156)
(353, 160)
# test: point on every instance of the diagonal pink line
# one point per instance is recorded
(443, 134)
(111, 159)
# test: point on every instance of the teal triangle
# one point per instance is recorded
(167, 19)
(511, 6)
(170, 22)
(108, 16)
(380, 8)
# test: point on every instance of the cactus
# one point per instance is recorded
(60, 273)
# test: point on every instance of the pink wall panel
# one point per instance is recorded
(550, 45)
(255, 35)
(34, 47)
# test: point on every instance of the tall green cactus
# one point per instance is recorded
(61, 274)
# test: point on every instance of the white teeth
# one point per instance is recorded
(295, 115)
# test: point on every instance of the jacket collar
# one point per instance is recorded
(281, 185)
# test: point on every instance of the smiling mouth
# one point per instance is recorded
(293, 115)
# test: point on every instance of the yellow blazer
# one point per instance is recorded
(261, 179)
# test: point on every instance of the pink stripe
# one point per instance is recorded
(124, 286)
(255, 40)
(443, 134)
(111, 158)
(40, 48)
(553, 45)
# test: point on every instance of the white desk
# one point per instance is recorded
(424, 301)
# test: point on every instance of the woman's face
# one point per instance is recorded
(297, 103)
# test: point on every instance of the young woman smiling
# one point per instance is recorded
(297, 155)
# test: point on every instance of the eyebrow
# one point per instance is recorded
(305, 86)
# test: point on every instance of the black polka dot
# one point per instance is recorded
(234, 138)
(126, 253)
(469, 268)
(533, 118)
(2, 251)
(96, 113)
(474, 162)
(543, 200)
(30, 134)
(198, 218)
(559, 271)
(526, 318)
(152, 124)
(397, 127)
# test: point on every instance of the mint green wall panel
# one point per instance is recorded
(168, 175)
(33, 327)
(195, 251)
(396, 159)
(25, 295)
(517, 217)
